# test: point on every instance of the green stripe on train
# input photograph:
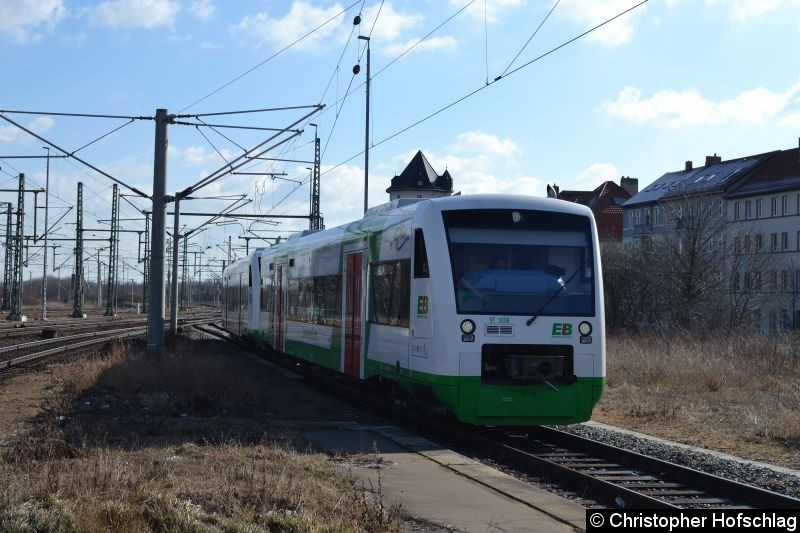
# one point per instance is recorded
(478, 403)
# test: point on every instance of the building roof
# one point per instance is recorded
(780, 172)
(420, 175)
(608, 197)
(716, 177)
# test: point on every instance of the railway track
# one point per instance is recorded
(25, 354)
(609, 475)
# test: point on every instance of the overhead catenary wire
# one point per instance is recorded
(532, 36)
(290, 45)
(106, 174)
(491, 83)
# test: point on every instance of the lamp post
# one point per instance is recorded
(356, 70)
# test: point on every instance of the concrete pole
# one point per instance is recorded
(44, 253)
(155, 316)
(173, 296)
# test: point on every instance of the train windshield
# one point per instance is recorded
(519, 262)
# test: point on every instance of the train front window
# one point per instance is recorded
(517, 262)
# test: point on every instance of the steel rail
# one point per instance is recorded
(606, 473)
(98, 339)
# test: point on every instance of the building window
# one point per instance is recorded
(638, 217)
(720, 208)
(748, 211)
(785, 323)
(773, 320)
(785, 205)
(758, 242)
(773, 242)
(798, 241)
(774, 206)
(736, 211)
(773, 280)
(784, 280)
(747, 244)
(759, 207)
(785, 241)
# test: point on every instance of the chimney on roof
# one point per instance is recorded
(629, 185)
(688, 166)
(711, 159)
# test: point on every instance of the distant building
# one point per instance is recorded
(420, 180)
(605, 202)
(652, 211)
(757, 200)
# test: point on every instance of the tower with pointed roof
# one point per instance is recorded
(420, 180)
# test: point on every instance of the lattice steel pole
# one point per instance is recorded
(77, 299)
(315, 221)
(146, 262)
(9, 254)
(16, 275)
(111, 285)
(184, 276)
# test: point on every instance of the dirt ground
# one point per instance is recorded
(735, 394)
(204, 441)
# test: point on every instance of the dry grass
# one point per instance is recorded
(128, 443)
(739, 393)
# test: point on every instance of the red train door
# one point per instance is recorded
(279, 305)
(352, 315)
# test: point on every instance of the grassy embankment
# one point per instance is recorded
(185, 443)
(738, 393)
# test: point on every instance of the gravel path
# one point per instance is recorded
(773, 479)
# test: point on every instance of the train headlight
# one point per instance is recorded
(467, 326)
(585, 328)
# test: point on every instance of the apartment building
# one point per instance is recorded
(756, 200)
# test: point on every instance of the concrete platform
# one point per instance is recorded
(440, 490)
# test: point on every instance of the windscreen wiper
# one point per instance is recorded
(561, 288)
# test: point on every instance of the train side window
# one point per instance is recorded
(420, 256)
(391, 293)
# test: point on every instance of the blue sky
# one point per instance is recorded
(671, 81)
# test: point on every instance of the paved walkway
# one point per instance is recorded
(440, 490)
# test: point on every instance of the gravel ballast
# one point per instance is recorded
(776, 479)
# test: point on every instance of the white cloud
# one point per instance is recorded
(390, 25)
(743, 10)
(594, 175)
(203, 9)
(41, 124)
(22, 19)
(433, 43)
(11, 133)
(675, 109)
(199, 156)
(485, 144)
(589, 13)
(134, 13)
(488, 9)
(301, 18)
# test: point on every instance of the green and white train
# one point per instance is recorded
(487, 306)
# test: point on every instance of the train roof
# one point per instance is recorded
(408, 206)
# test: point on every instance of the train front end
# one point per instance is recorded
(509, 326)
